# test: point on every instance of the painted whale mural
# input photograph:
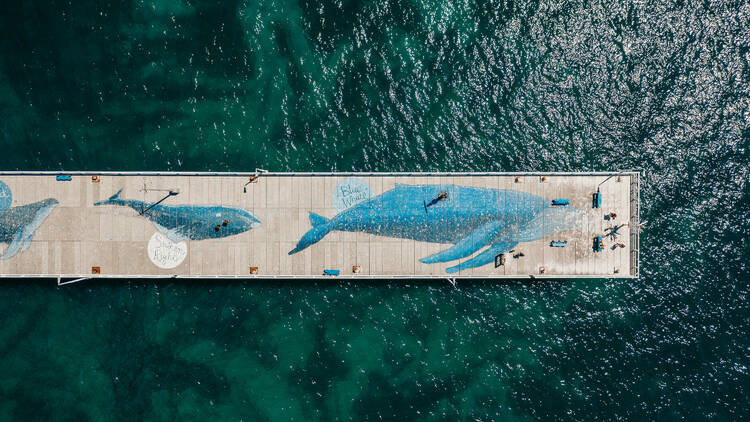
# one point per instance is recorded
(18, 225)
(189, 222)
(469, 218)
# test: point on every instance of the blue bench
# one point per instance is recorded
(331, 272)
(63, 178)
(560, 202)
(558, 243)
(598, 244)
(596, 200)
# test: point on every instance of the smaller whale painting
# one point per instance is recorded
(18, 225)
(189, 222)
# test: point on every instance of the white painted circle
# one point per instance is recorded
(164, 253)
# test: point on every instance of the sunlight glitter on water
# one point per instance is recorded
(391, 86)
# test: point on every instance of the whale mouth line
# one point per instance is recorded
(43, 213)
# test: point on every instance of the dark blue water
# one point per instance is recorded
(661, 87)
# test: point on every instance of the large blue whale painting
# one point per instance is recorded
(470, 218)
(18, 225)
(189, 222)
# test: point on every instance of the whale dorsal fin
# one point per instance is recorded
(317, 220)
(115, 196)
(111, 200)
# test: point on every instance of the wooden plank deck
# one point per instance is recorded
(80, 239)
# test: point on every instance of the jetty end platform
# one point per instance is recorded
(314, 225)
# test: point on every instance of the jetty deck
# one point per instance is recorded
(52, 228)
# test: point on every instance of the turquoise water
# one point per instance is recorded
(390, 85)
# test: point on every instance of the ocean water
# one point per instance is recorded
(390, 85)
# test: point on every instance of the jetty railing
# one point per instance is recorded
(635, 223)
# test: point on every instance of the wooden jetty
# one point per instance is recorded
(363, 225)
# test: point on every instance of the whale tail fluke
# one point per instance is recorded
(112, 200)
(315, 234)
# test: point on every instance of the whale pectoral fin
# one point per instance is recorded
(468, 245)
(487, 256)
(26, 242)
(175, 235)
(21, 242)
